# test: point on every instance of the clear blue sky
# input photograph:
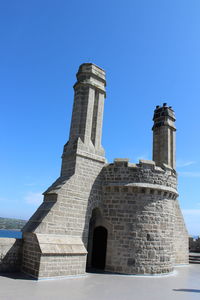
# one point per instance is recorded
(151, 53)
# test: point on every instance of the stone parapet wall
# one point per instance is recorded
(10, 254)
(124, 173)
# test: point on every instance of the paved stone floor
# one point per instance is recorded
(184, 285)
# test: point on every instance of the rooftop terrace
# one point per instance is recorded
(184, 284)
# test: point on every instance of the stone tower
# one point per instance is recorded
(120, 217)
(55, 238)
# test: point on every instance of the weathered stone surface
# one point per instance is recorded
(142, 219)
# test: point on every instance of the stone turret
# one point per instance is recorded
(164, 131)
(139, 202)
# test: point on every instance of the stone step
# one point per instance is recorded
(194, 258)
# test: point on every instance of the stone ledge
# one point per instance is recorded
(121, 160)
(60, 244)
(147, 162)
(144, 186)
(91, 156)
(92, 85)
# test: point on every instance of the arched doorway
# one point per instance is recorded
(99, 246)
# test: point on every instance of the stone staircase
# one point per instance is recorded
(194, 258)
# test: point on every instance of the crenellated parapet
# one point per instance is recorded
(144, 177)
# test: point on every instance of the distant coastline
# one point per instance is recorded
(11, 224)
(11, 228)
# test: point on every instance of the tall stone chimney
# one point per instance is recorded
(87, 117)
(164, 131)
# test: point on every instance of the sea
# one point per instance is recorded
(10, 233)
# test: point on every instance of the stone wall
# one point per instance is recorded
(10, 254)
(47, 255)
(181, 238)
(142, 238)
(31, 255)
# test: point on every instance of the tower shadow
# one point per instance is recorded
(187, 290)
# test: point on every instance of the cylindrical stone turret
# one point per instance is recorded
(164, 131)
(139, 205)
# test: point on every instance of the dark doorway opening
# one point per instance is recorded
(99, 247)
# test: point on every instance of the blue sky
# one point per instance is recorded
(151, 53)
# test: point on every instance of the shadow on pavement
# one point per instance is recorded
(187, 290)
(17, 276)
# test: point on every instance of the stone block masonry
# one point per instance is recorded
(51, 255)
(140, 201)
(120, 217)
(68, 203)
